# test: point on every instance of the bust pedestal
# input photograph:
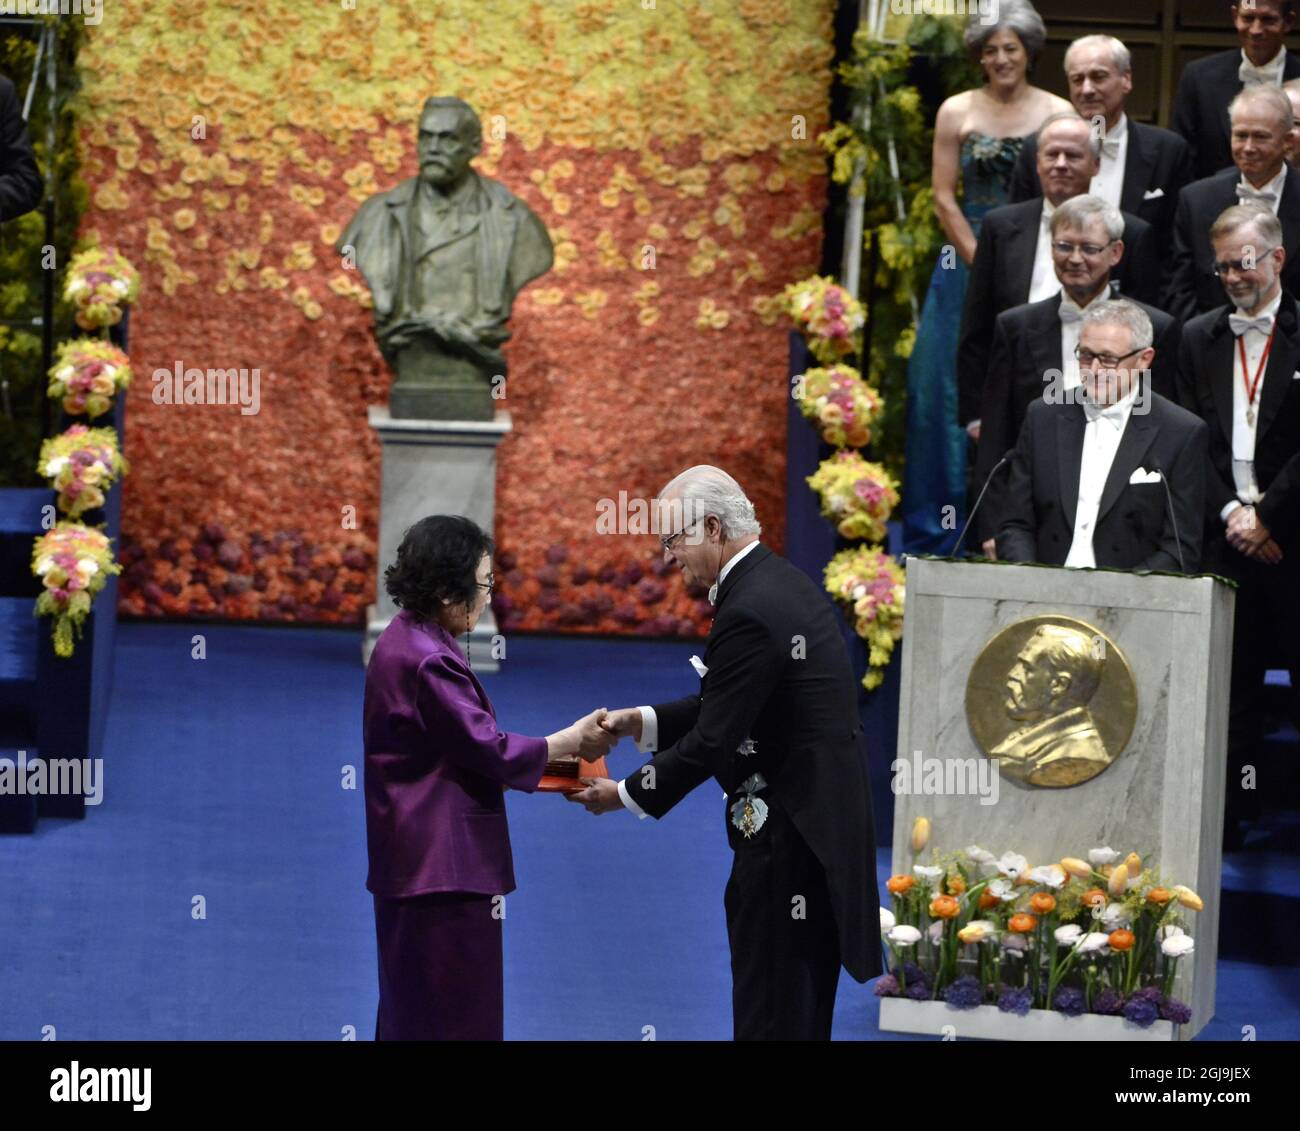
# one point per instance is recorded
(434, 467)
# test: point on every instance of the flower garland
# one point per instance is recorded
(870, 584)
(1098, 935)
(829, 318)
(99, 283)
(87, 373)
(81, 464)
(856, 495)
(842, 406)
(73, 562)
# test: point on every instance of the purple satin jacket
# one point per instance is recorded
(435, 766)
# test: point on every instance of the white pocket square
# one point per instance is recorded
(1141, 475)
(1153, 194)
(1296, 375)
(698, 665)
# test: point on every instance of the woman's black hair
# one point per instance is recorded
(438, 559)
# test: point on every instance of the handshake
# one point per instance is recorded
(591, 737)
(595, 735)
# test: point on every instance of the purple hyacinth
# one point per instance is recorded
(913, 972)
(886, 986)
(1141, 1011)
(1149, 993)
(1069, 1000)
(1108, 1003)
(965, 993)
(1016, 1000)
(1175, 1011)
(918, 991)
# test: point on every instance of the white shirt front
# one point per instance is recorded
(1274, 186)
(1269, 73)
(649, 741)
(1109, 181)
(1101, 437)
(1043, 283)
(1243, 429)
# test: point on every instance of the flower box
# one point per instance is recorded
(987, 1022)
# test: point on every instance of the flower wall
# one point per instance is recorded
(670, 148)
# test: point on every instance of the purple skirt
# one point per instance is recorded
(440, 968)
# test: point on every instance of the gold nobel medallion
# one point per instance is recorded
(1053, 699)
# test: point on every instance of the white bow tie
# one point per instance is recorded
(1110, 148)
(1069, 311)
(1251, 75)
(1240, 323)
(1264, 196)
(1112, 414)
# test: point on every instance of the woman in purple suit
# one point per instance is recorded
(435, 770)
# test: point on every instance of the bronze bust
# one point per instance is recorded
(445, 253)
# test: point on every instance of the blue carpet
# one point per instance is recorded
(224, 790)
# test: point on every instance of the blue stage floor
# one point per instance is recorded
(224, 789)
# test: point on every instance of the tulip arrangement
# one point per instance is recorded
(99, 283)
(1099, 935)
(81, 464)
(86, 374)
(73, 562)
(840, 403)
(855, 495)
(827, 315)
(869, 585)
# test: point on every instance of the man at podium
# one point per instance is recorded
(1114, 478)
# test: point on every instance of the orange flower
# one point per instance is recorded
(944, 907)
(1022, 924)
(1160, 895)
(1093, 897)
(988, 899)
(1122, 939)
(956, 885)
(1042, 902)
(900, 885)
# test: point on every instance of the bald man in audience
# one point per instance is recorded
(1261, 129)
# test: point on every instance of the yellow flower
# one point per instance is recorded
(1118, 882)
(1188, 898)
(920, 833)
(184, 219)
(1076, 867)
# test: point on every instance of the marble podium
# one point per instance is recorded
(1161, 796)
(435, 467)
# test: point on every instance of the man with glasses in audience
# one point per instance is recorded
(1239, 370)
(1033, 345)
(1113, 478)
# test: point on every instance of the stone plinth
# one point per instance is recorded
(435, 467)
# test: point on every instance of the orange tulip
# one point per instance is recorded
(1042, 902)
(1134, 864)
(988, 899)
(956, 885)
(1022, 924)
(1093, 897)
(1160, 896)
(944, 907)
(1122, 939)
(900, 885)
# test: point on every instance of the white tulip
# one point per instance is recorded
(1069, 934)
(1177, 945)
(1114, 917)
(886, 920)
(1004, 889)
(1102, 856)
(1050, 875)
(1169, 930)
(903, 935)
(927, 872)
(981, 855)
(1093, 942)
(936, 930)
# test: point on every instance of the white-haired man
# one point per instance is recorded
(1114, 478)
(775, 723)
(1143, 167)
